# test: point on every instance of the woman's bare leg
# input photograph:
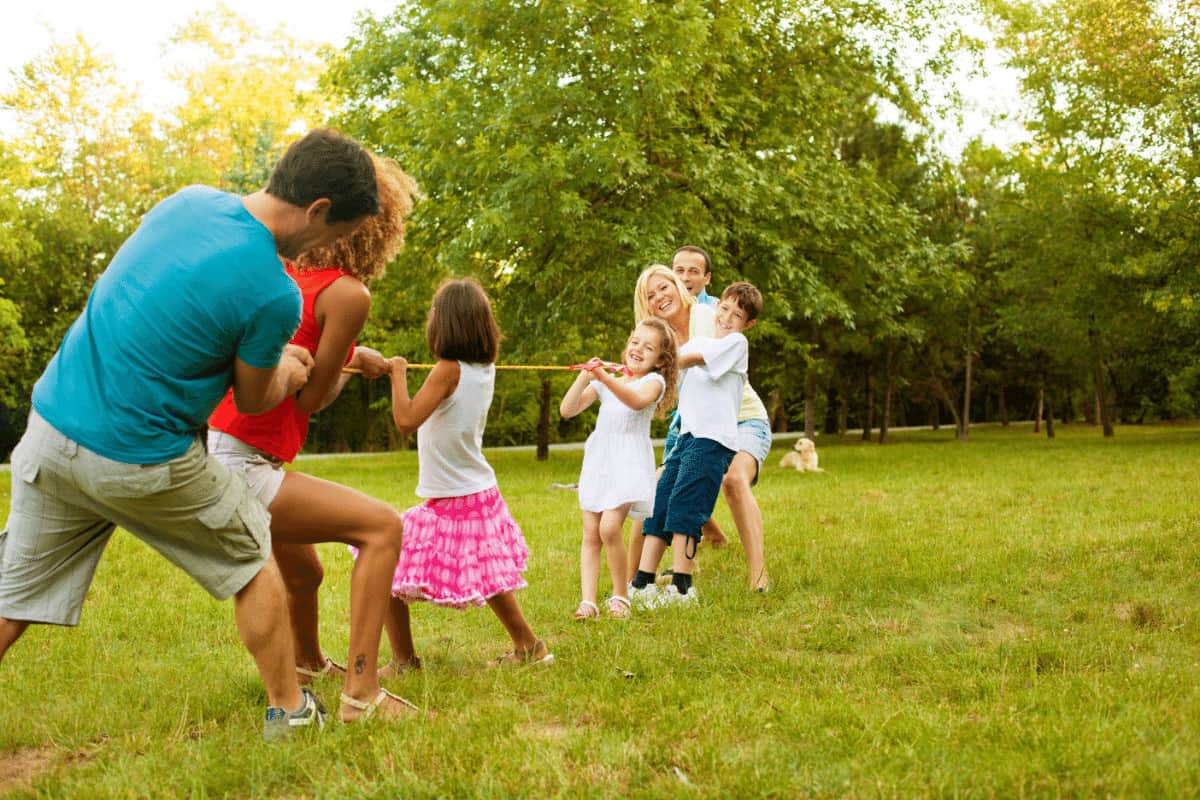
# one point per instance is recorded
(308, 510)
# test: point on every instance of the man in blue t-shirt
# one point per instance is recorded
(195, 301)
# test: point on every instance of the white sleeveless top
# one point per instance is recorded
(450, 441)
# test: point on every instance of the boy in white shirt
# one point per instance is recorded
(710, 396)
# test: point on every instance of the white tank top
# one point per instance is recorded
(450, 441)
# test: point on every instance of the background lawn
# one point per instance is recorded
(1011, 617)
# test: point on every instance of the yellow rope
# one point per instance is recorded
(353, 371)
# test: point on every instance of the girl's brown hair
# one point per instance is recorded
(366, 252)
(668, 364)
(461, 326)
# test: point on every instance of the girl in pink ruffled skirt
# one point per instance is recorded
(461, 546)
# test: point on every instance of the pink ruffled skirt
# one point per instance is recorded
(459, 551)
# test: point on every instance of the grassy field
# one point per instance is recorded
(1013, 617)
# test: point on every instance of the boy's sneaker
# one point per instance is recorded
(670, 596)
(281, 723)
(645, 597)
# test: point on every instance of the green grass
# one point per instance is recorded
(1012, 617)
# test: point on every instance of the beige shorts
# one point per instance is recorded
(263, 472)
(67, 499)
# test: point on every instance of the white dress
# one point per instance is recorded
(618, 459)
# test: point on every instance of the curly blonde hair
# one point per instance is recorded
(641, 308)
(366, 252)
(668, 364)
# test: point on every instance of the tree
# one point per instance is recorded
(565, 146)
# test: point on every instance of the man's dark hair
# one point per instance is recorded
(327, 164)
(691, 248)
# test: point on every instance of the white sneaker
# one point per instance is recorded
(645, 597)
(670, 596)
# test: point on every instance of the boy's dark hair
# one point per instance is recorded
(461, 326)
(691, 248)
(327, 164)
(747, 296)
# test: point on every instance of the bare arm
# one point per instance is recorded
(581, 395)
(691, 360)
(408, 414)
(341, 311)
(257, 391)
(636, 397)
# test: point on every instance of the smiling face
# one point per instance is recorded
(731, 318)
(690, 267)
(662, 297)
(643, 350)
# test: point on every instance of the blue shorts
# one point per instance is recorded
(688, 488)
(753, 437)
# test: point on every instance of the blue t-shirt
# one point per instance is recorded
(196, 286)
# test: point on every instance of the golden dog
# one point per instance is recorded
(803, 457)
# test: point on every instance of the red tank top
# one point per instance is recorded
(282, 430)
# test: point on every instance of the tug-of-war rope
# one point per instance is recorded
(611, 366)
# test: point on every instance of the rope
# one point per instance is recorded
(609, 365)
(498, 366)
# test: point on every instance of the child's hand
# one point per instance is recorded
(398, 367)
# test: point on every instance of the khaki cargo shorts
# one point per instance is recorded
(67, 499)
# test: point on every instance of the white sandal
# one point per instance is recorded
(618, 607)
(586, 610)
(369, 708)
(329, 668)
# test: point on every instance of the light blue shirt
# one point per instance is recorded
(196, 286)
(707, 299)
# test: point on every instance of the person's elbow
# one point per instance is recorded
(405, 426)
(249, 404)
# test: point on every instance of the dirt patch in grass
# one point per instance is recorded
(19, 767)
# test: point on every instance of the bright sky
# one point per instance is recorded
(133, 33)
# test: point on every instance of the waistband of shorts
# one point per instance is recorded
(223, 441)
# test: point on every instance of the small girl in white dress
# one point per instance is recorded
(617, 479)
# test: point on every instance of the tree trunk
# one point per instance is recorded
(886, 416)
(1103, 409)
(843, 413)
(1037, 415)
(1049, 409)
(810, 404)
(869, 409)
(964, 420)
(543, 429)
(777, 412)
(1003, 407)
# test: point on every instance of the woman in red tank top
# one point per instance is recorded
(304, 509)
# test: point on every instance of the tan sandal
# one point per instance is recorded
(586, 610)
(618, 607)
(369, 708)
(329, 669)
(394, 669)
(538, 654)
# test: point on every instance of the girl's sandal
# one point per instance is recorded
(618, 607)
(394, 669)
(368, 709)
(329, 669)
(538, 654)
(587, 610)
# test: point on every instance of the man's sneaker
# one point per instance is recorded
(281, 723)
(670, 596)
(645, 597)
